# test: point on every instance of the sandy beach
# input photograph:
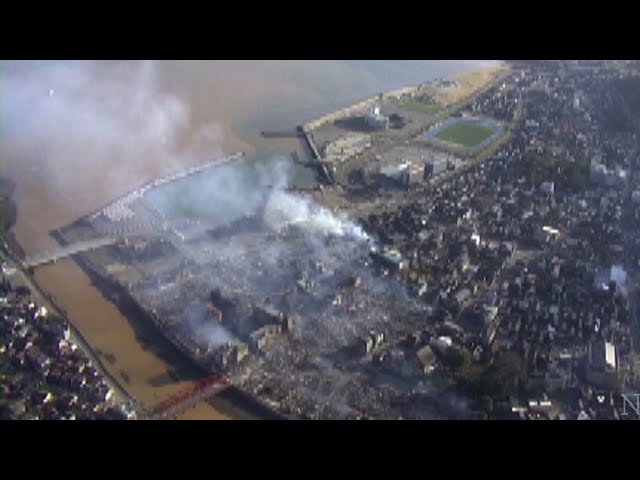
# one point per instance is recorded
(467, 84)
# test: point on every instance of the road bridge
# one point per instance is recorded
(189, 397)
(68, 251)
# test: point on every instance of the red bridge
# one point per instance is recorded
(189, 397)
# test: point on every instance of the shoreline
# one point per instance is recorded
(146, 383)
(130, 308)
(45, 300)
(360, 105)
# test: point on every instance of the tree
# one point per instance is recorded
(486, 404)
(576, 176)
(458, 358)
(507, 373)
(500, 379)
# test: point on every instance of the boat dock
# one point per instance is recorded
(317, 161)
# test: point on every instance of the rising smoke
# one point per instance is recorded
(92, 131)
(87, 132)
(196, 319)
(285, 209)
(295, 234)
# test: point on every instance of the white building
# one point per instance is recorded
(597, 172)
(602, 364)
(619, 277)
(548, 187)
(375, 119)
(441, 343)
(576, 101)
(616, 274)
(600, 174)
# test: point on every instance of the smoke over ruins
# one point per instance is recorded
(244, 274)
(285, 209)
(241, 227)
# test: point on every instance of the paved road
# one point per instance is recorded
(68, 251)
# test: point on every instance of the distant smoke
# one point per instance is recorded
(86, 132)
(99, 124)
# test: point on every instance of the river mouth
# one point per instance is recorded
(284, 282)
(43, 205)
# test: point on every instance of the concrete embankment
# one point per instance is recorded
(323, 169)
(42, 298)
(280, 134)
(234, 402)
(356, 108)
(468, 84)
(170, 178)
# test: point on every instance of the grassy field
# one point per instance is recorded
(467, 84)
(427, 108)
(465, 133)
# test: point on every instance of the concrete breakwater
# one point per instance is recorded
(323, 169)
(168, 179)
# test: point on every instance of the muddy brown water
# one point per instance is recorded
(148, 368)
(231, 95)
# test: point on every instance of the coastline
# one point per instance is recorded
(106, 329)
(44, 299)
(470, 83)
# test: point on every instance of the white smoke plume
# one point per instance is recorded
(284, 209)
(198, 320)
(104, 124)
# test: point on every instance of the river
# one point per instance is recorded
(76, 135)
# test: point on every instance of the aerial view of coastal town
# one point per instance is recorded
(302, 240)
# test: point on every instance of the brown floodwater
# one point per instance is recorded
(148, 368)
(145, 368)
(80, 151)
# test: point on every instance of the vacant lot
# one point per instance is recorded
(467, 134)
(467, 84)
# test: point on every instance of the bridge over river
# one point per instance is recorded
(68, 251)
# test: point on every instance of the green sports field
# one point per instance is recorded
(427, 108)
(466, 134)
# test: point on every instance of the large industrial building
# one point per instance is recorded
(602, 366)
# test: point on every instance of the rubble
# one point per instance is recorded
(498, 253)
